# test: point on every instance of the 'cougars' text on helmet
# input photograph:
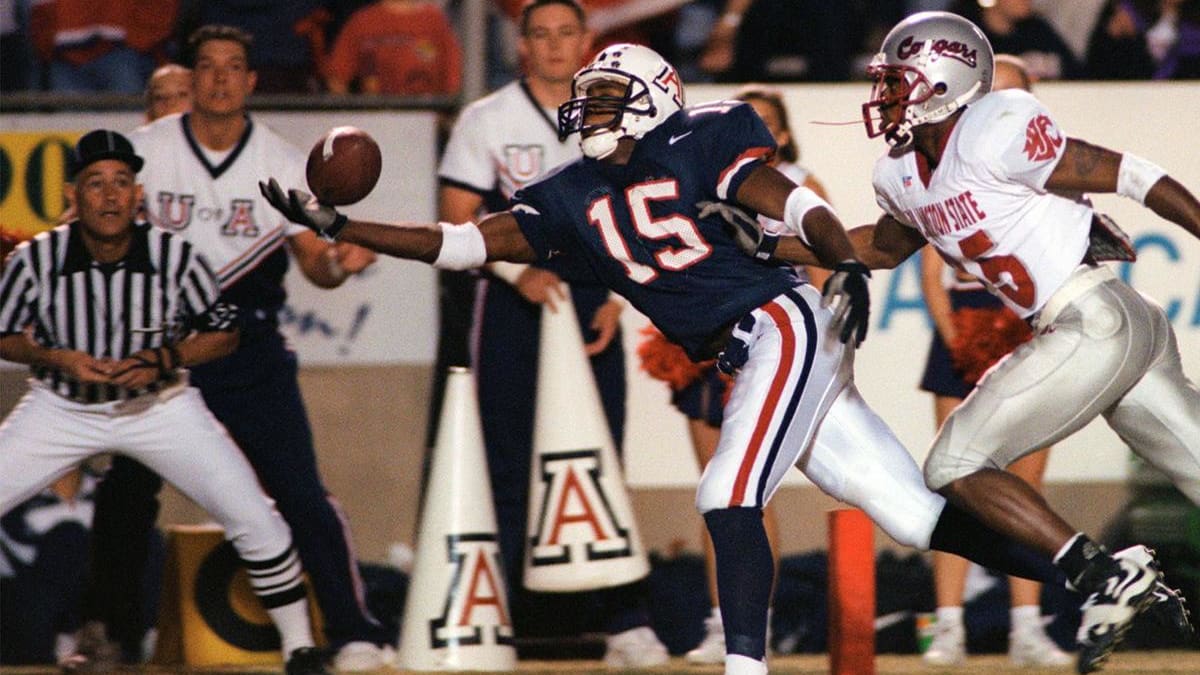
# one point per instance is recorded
(930, 65)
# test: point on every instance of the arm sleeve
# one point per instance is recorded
(466, 160)
(736, 140)
(536, 220)
(18, 294)
(289, 162)
(1023, 142)
(206, 311)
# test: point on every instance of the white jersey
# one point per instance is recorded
(212, 199)
(985, 206)
(497, 147)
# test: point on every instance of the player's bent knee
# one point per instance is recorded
(943, 468)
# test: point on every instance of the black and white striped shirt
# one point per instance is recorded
(161, 291)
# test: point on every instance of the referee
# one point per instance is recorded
(107, 311)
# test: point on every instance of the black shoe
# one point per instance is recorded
(306, 661)
(1110, 608)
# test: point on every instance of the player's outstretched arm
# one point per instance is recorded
(497, 237)
(1085, 167)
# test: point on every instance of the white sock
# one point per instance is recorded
(291, 620)
(716, 613)
(1025, 616)
(736, 664)
(951, 615)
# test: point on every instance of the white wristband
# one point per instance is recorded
(1136, 176)
(799, 202)
(462, 248)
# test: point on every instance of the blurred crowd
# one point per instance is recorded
(413, 47)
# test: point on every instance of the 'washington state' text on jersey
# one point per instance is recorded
(226, 217)
(986, 208)
(637, 225)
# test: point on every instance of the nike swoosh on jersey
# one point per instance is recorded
(675, 139)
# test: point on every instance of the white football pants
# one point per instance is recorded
(172, 432)
(1100, 348)
(794, 404)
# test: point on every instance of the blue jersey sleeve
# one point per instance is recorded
(734, 137)
(538, 229)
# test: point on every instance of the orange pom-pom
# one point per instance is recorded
(664, 360)
(984, 336)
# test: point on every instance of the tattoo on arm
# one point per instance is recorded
(1087, 157)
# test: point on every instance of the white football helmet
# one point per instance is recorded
(653, 93)
(930, 66)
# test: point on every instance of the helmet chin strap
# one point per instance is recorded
(599, 145)
(946, 110)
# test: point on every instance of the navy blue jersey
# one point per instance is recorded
(639, 230)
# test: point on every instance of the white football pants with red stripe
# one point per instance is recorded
(794, 404)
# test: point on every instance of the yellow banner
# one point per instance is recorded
(33, 167)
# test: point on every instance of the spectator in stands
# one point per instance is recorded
(14, 46)
(108, 46)
(958, 355)
(819, 44)
(402, 47)
(43, 562)
(1013, 27)
(1138, 39)
(282, 54)
(168, 91)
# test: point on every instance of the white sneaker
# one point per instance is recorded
(635, 648)
(712, 648)
(357, 657)
(1109, 610)
(949, 645)
(1029, 646)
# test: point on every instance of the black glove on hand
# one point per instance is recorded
(303, 209)
(746, 230)
(847, 292)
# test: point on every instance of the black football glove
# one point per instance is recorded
(746, 230)
(847, 292)
(1107, 241)
(303, 209)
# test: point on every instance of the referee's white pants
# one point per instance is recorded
(794, 403)
(172, 432)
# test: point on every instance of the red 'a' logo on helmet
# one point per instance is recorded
(1042, 139)
(668, 82)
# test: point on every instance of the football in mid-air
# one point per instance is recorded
(343, 166)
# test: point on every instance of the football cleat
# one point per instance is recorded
(1169, 608)
(1109, 610)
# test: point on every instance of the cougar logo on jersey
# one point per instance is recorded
(1042, 139)
(523, 163)
(476, 602)
(172, 217)
(952, 49)
(576, 518)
